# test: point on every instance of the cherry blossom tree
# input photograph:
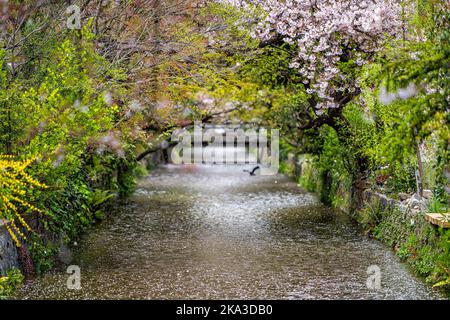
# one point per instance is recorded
(331, 40)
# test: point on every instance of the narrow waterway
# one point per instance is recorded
(214, 232)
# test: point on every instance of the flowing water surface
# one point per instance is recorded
(214, 232)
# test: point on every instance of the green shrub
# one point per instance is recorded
(10, 283)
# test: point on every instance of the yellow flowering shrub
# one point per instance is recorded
(14, 184)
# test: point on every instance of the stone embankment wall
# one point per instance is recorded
(303, 170)
(8, 252)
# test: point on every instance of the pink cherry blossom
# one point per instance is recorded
(327, 33)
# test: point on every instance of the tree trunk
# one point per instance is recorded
(419, 172)
(154, 75)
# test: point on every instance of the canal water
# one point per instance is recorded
(215, 232)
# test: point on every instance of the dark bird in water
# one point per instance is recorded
(252, 173)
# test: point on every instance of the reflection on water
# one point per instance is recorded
(214, 232)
